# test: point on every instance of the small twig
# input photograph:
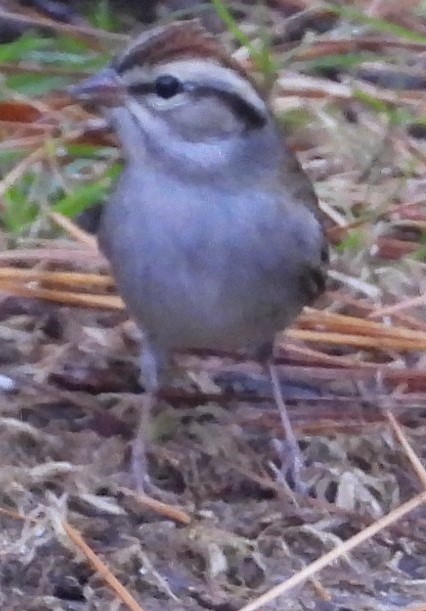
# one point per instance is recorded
(107, 302)
(73, 230)
(76, 30)
(73, 279)
(53, 254)
(412, 456)
(10, 513)
(33, 68)
(169, 511)
(27, 142)
(359, 341)
(322, 592)
(415, 302)
(336, 553)
(331, 321)
(19, 170)
(94, 560)
(102, 568)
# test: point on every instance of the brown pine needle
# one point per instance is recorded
(10, 513)
(169, 511)
(64, 28)
(359, 341)
(397, 307)
(27, 142)
(54, 254)
(73, 230)
(73, 279)
(336, 553)
(412, 456)
(322, 592)
(99, 566)
(372, 335)
(107, 302)
(123, 594)
(309, 354)
(331, 321)
(20, 168)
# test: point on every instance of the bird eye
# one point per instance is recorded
(167, 86)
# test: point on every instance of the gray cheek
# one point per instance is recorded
(201, 120)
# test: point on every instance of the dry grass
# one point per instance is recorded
(234, 536)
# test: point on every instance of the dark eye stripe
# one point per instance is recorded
(141, 88)
(250, 115)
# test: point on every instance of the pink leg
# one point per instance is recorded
(297, 462)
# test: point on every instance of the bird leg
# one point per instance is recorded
(139, 463)
(149, 365)
(297, 462)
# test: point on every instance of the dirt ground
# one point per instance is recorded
(64, 454)
(231, 526)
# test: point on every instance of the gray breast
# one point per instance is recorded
(203, 268)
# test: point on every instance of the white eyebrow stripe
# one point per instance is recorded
(208, 71)
(205, 72)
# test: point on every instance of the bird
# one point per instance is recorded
(213, 230)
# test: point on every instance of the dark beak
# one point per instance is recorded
(102, 89)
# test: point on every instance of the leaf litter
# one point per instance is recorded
(348, 90)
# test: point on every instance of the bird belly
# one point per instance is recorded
(213, 306)
(202, 273)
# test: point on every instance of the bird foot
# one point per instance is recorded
(292, 458)
(293, 468)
